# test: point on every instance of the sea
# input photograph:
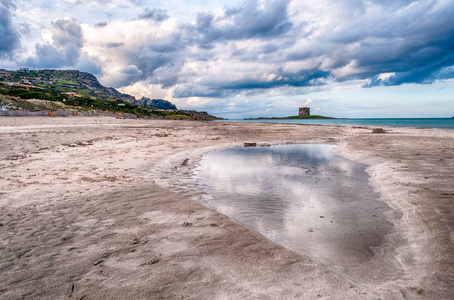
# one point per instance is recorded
(446, 123)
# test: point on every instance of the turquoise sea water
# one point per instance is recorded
(447, 123)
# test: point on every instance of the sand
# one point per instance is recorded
(97, 208)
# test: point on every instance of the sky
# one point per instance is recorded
(249, 58)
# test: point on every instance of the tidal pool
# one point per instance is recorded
(301, 197)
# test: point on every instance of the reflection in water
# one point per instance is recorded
(299, 196)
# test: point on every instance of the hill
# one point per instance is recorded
(83, 83)
(81, 90)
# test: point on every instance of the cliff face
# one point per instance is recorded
(87, 81)
(156, 103)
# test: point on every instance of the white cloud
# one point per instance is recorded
(308, 102)
(132, 40)
(144, 89)
(384, 76)
(250, 51)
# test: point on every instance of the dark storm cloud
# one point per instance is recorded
(268, 53)
(346, 40)
(89, 64)
(415, 46)
(131, 70)
(270, 48)
(101, 24)
(167, 46)
(9, 36)
(419, 61)
(7, 3)
(114, 45)
(47, 56)
(148, 65)
(425, 74)
(220, 89)
(67, 41)
(145, 66)
(158, 62)
(299, 79)
(189, 90)
(166, 80)
(157, 15)
(67, 32)
(245, 21)
(413, 39)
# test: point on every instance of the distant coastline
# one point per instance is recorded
(291, 117)
(446, 123)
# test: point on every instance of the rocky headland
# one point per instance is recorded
(34, 90)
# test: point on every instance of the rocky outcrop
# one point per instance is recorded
(200, 115)
(86, 81)
(156, 103)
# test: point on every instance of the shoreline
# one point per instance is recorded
(95, 186)
(414, 123)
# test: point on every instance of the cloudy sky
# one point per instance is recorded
(249, 58)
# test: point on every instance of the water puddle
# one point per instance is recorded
(301, 197)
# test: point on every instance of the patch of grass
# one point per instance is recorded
(84, 92)
(67, 82)
(179, 116)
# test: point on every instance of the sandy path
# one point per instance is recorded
(88, 207)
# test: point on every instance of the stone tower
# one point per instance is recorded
(305, 111)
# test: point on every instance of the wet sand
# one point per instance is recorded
(87, 209)
(301, 197)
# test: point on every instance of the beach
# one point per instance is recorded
(96, 208)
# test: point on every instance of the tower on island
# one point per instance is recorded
(305, 111)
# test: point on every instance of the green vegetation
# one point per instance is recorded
(20, 95)
(179, 116)
(99, 98)
(67, 82)
(83, 103)
(84, 92)
(27, 94)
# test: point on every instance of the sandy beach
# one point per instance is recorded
(97, 208)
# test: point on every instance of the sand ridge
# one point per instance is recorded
(85, 211)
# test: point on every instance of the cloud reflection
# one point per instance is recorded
(299, 196)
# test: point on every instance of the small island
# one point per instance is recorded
(304, 113)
